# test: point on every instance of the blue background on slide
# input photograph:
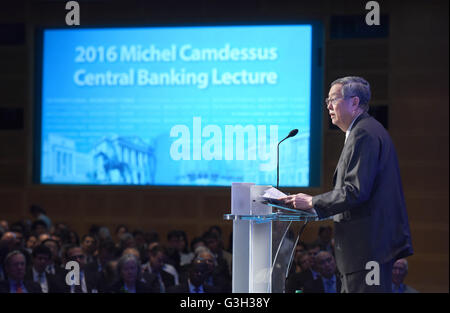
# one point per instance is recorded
(121, 134)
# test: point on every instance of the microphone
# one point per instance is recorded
(292, 133)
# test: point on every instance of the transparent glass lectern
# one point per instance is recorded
(263, 240)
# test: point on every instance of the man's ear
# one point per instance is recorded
(355, 101)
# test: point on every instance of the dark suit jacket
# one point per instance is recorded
(297, 281)
(184, 288)
(30, 285)
(316, 286)
(369, 195)
(54, 283)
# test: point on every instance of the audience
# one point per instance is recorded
(137, 262)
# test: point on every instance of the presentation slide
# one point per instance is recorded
(178, 106)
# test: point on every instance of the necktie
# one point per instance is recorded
(19, 288)
(44, 286)
(330, 286)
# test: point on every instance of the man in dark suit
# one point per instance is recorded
(367, 202)
(15, 266)
(49, 283)
(88, 280)
(328, 280)
(198, 272)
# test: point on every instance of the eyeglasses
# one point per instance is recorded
(333, 100)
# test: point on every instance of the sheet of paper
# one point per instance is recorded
(273, 193)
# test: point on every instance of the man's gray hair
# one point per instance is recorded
(10, 255)
(124, 259)
(355, 86)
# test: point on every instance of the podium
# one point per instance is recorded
(262, 246)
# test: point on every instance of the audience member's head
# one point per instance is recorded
(198, 272)
(212, 241)
(43, 237)
(106, 251)
(10, 241)
(325, 264)
(157, 256)
(313, 250)
(325, 233)
(15, 265)
(31, 242)
(41, 258)
(129, 269)
(54, 247)
(39, 227)
(304, 261)
(88, 244)
(4, 224)
(126, 241)
(75, 253)
(74, 238)
(399, 271)
(132, 251)
(120, 230)
(104, 234)
(197, 242)
(206, 256)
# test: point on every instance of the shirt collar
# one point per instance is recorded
(347, 133)
(192, 288)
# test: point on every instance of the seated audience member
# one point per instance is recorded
(4, 225)
(195, 283)
(43, 237)
(328, 281)
(178, 249)
(108, 276)
(399, 272)
(89, 247)
(126, 240)
(73, 238)
(104, 234)
(54, 265)
(15, 268)
(106, 253)
(41, 257)
(88, 280)
(214, 278)
(130, 277)
(313, 271)
(296, 281)
(30, 243)
(197, 242)
(157, 265)
(141, 245)
(120, 230)
(223, 257)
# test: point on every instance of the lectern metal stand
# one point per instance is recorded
(262, 251)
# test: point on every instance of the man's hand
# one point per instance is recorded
(299, 201)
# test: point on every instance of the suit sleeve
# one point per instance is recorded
(360, 170)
